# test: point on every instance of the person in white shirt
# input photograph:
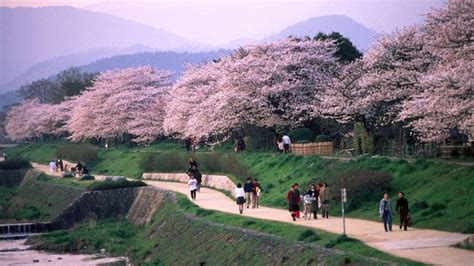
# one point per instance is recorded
(193, 187)
(52, 167)
(240, 196)
(286, 143)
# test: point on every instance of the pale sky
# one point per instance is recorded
(218, 22)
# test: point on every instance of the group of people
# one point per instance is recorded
(59, 166)
(249, 193)
(386, 211)
(284, 144)
(316, 198)
(195, 177)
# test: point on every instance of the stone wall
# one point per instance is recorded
(220, 182)
(135, 204)
(11, 178)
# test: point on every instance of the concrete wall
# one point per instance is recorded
(135, 204)
(11, 178)
(220, 182)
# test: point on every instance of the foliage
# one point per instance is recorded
(14, 163)
(55, 90)
(122, 183)
(301, 135)
(346, 51)
(362, 142)
(82, 152)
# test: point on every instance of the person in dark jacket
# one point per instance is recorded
(403, 210)
(293, 198)
(313, 193)
(249, 188)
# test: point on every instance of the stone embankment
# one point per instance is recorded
(135, 204)
(219, 182)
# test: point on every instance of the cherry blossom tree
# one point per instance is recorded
(276, 85)
(447, 97)
(123, 102)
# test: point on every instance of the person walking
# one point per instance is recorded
(314, 195)
(256, 193)
(192, 183)
(286, 143)
(403, 210)
(52, 167)
(385, 211)
(324, 197)
(61, 164)
(240, 196)
(248, 189)
(293, 198)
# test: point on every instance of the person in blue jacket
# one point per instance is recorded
(385, 211)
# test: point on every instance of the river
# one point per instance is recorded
(16, 252)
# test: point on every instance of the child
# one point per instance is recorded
(240, 196)
(193, 186)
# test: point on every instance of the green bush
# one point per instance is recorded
(87, 177)
(82, 152)
(308, 236)
(104, 185)
(322, 138)
(15, 163)
(259, 139)
(301, 135)
(363, 142)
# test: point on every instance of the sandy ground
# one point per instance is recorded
(428, 246)
(15, 252)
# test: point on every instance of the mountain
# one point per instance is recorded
(171, 61)
(33, 35)
(359, 34)
(55, 65)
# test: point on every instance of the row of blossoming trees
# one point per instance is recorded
(420, 77)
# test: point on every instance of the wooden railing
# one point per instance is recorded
(315, 148)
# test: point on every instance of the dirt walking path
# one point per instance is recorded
(427, 246)
(423, 245)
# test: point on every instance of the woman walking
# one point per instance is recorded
(313, 194)
(293, 198)
(385, 211)
(240, 196)
(324, 196)
(193, 186)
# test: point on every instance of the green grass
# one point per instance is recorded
(439, 193)
(194, 233)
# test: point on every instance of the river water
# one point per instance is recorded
(15, 252)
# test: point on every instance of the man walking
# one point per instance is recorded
(402, 209)
(286, 143)
(385, 211)
(249, 189)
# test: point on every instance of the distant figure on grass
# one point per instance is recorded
(280, 146)
(85, 171)
(188, 142)
(324, 197)
(293, 198)
(286, 143)
(311, 203)
(249, 189)
(257, 189)
(403, 210)
(239, 144)
(60, 165)
(193, 187)
(240, 196)
(78, 169)
(52, 167)
(385, 211)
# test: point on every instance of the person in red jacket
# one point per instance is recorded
(293, 198)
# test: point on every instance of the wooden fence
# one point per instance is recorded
(316, 148)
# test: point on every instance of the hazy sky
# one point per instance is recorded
(218, 22)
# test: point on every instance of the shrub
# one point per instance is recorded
(16, 163)
(362, 142)
(301, 135)
(259, 138)
(322, 138)
(308, 235)
(85, 153)
(87, 177)
(124, 183)
(339, 240)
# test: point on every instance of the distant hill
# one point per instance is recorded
(172, 61)
(34, 35)
(359, 34)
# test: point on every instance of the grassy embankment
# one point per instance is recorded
(439, 193)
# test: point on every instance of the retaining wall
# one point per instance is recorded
(11, 178)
